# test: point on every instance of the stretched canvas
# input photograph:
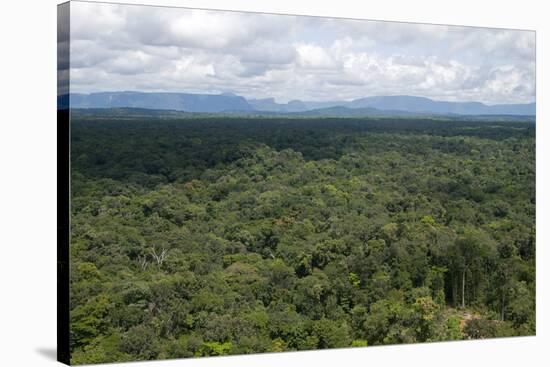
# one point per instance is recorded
(234, 183)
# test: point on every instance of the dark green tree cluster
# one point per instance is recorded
(216, 236)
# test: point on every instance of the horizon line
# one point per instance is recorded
(303, 100)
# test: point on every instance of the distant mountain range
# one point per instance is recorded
(231, 103)
(399, 103)
(162, 101)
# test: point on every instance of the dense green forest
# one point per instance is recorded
(230, 235)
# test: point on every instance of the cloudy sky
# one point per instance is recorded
(139, 48)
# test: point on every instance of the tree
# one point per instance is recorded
(226, 235)
(470, 251)
(140, 341)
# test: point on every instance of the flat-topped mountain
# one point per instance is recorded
(162, 101)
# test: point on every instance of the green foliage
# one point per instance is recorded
(102, 349)
(185, 346)
(140, 341)
(215, 236)
(480, 329)
(354, 280)
(359, 343)
(331, 334)
(90, 320)
(215, 349)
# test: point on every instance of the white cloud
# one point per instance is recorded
(95, 21)
(117, 47)
(315, 57)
